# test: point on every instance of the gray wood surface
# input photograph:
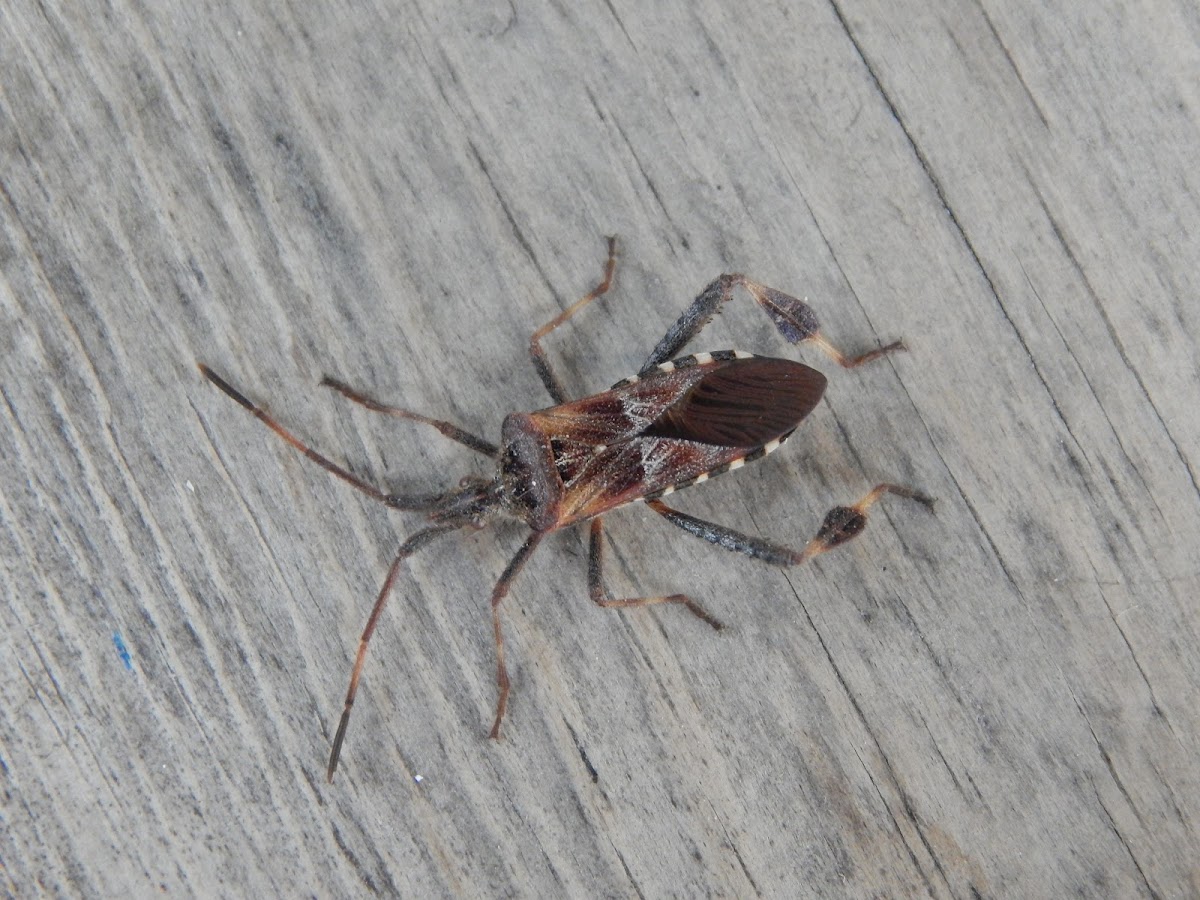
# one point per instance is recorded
(1000, 699)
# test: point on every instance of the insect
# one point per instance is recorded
(676, 423)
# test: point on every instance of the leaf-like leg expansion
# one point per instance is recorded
(461, 435)
(840, 525)
(600, 594)
(795, 320)
(538, 355)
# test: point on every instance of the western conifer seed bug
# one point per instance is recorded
(678, 422)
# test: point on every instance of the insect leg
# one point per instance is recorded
(538, 355)
(396, 501)
(478, 444)
(841, 524)
(600, 594)
(499, 592)
(795, 319)
(407, 549)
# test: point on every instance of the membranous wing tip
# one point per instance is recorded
(742, 403)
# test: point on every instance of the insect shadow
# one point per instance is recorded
(676, 423)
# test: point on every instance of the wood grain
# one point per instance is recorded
(1000, 699)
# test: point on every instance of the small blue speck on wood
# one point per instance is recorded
(122, 650)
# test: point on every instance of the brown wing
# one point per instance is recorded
(744, 403)
(622, 474)
(672, 427)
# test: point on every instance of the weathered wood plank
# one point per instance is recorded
(1001, 698)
